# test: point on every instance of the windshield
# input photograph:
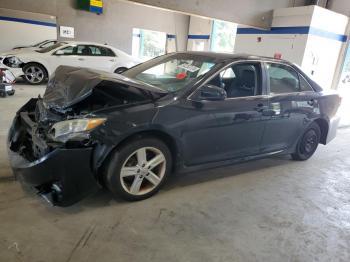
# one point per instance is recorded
(50, 48)
(173, 72)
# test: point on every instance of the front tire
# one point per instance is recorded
(138, 169)
(34, 74)
(308, 143)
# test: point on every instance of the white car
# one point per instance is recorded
(36, 66)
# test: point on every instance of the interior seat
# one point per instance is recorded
(244, 85)
(86, 51)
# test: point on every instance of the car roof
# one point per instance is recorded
(222, 57)
(87, 43)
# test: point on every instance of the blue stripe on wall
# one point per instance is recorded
(198, 36)
(26, 21)
(327, 34)
(304, 30)
(171, 36)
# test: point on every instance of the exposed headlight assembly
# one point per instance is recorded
(13, 61)
(75, 129)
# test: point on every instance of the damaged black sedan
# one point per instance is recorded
(178, 112)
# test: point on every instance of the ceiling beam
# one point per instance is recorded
(256, 13)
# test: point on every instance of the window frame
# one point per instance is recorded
(65, 47)
(100, 47)
(263, 80)
(294, 69)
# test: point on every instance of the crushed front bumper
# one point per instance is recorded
(62, 176)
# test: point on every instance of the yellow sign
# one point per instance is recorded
(97, 3)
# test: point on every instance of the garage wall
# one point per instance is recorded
(114, 26)
(310, 36)
(29, 27)
(255, 13)
(340, 6)
(199, 34)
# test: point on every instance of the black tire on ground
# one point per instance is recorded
(34, 74)
(2, 94)
(308, 143)
(126, 157)
(120, 70)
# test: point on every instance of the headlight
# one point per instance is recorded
(75, 128)
(13, 61)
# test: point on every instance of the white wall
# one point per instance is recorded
(18, 33)
(114, 26)
(291, 46)
(199, 27)
(322, 53)
(315, 52)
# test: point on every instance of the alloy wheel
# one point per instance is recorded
(34, 74)
(143, 171)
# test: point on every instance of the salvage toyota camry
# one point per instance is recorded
(178, 112)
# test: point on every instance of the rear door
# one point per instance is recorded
(97, 57)
(293, 103)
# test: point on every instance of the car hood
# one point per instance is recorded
(18, 51)
(70, 85)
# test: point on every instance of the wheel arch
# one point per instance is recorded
(166, 138)
(38, 63)
(324, 126)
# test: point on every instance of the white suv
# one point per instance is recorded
(36, 66)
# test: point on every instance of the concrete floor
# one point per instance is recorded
(268, 210)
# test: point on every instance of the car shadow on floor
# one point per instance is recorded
(176, 180)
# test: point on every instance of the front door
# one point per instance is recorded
(231, 128)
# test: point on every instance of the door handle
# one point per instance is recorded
(81, 59)
(112, 60)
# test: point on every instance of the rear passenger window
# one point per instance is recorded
(101, 51)
(283, 79)
(107, 52)
(304, 85)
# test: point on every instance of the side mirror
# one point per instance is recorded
(59, 52)
(212, 93)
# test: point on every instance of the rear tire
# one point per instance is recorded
(308, 143)
(138, 169)
(34, 74)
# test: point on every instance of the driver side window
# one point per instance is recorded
(240, 80)
(69, 50)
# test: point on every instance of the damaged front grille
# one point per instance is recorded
(29, 131)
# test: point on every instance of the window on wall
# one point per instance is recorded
(147, 44)
(223, 36)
